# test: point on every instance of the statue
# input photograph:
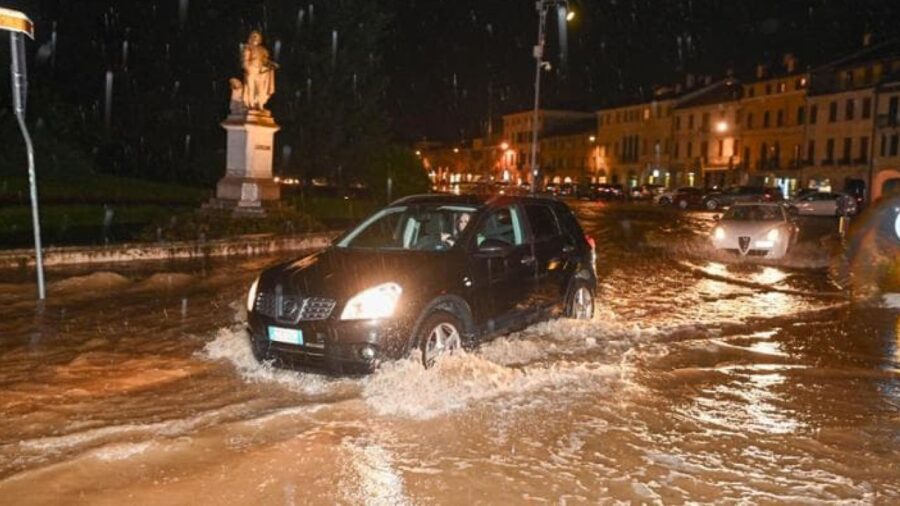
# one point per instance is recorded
(259, 73)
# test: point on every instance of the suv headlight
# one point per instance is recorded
(719, 233)
(251, 295)
(376, 302)
(773, 235)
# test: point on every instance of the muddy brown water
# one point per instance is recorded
(700, 379)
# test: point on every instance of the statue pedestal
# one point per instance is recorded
(248, 182)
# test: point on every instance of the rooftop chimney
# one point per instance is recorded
(790, 63)
(867, 39)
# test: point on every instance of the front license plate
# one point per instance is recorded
(289, 336)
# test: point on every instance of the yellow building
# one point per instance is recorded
(887, 137)
(567, 154)
(844, 134)
(517, 134)
(773, 117)
(706, 136)
(633, 142)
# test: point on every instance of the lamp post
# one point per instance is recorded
(543, 6)
(18, 24)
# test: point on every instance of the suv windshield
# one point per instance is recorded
(754, 213)
(419, 228)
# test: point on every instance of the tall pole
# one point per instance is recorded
(538, 65)
(20, 90)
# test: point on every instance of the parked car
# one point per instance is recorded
(824, 204)
(646, 191)
(683, 197)
(413, 276)
(605, 191)
(756, 229)
(715, 200)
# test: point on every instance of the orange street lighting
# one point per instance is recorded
(722, 126)
(418, 153)
(504, 146)
(592, 138)
(456, 150)
(570, 15)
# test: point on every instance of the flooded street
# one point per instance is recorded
(701, 378)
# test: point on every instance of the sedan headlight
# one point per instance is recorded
(719, 233)
(251, 295)
(773, 235)
(376, 302)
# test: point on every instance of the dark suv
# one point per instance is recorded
(433, 273)
(716, 199)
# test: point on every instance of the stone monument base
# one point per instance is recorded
(244, 195)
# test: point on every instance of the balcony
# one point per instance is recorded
(887, 121)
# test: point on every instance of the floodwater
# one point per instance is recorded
(701, 379)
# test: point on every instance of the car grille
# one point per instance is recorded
(291, 308)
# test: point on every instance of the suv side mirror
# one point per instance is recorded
(493, 247)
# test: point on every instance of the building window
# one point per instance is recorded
(801, 115)
(883, 145)
(704, 151)
(811, 151)
(894, 140)
(751, 91)
(766, 119)
(829, 151)
(863, 149)
(813, 114)
(690, 150)
(736, 147)
(779, 119)
(782, 87)
(677, 145)
(645, 147)
(690, 122)
(848, 110)
(677, 122)
(721, 148)
(848, 147)
(749, 120)
(768, 88)
(705, 121)
(867, 108)
(893, 107)
(832, 112)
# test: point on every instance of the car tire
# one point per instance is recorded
(580, 301)
(712, 204)
(439, 335)
(682, 204)
(665, 201)
(260, 350)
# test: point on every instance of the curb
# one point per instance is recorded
(136, 252)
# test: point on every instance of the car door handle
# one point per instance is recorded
(527, 260)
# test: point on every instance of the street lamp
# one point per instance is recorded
(543, 6)
(722, 126)
(18, 24)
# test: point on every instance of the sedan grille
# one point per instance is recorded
(291, 308)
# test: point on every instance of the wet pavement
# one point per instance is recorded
(702, 378)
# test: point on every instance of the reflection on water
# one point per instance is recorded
(692, 385)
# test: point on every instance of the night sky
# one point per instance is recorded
(450, 65)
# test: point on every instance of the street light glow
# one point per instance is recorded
(504, 146)
(722, 126)
(570, 15)
(592, 138)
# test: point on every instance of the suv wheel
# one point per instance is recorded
(712, 204)
(440, 335)
(682, 204)
(664, 201)
(580, 301)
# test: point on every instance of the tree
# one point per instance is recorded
(404, 170)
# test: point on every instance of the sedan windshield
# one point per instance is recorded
(754, 213)
(419, 228)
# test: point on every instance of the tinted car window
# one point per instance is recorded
(503, 224)
(412, 228)
(754, 213)
(543, 223)
(571, 229)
